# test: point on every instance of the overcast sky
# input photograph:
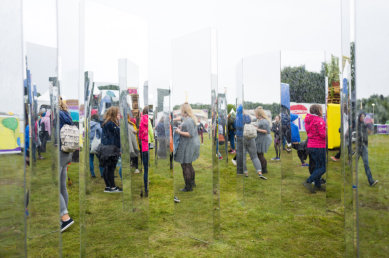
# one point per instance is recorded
(143, 32)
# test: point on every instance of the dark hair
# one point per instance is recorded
(95, 117)
(315, 110)
(145, 111)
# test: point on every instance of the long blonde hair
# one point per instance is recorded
(260, 113)
(111, 115)
(62, 104)
(187, 110)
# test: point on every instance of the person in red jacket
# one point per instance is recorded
(316, 132)
(144, 138)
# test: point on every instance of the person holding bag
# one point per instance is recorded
(246, 133)
(110, 148)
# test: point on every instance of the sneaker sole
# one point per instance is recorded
(67, 226)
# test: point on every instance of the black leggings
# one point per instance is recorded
(109, 172)
(189, 175)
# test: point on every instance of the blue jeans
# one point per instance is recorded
(231, 137)
(319, 157)
(365, 158)
(145, 160)
(92, 167)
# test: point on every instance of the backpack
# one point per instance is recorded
(95, 144)
(69, 138)
(249, 131)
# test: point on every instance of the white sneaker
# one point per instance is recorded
(233, 162)
(136, 171)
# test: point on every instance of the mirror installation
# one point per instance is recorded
(207, 128)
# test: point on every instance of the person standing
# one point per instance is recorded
(110, 150)
(245, 145)
(276, 129)
(64, 159)
(144, 139)
(95, 131)
(200, 130)
(316, 132)
(363, 143)
(263, 139)
(188, 149)
(231, 132)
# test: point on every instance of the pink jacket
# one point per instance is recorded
(316, 131)
(144, 132)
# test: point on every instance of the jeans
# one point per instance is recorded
(145, 159)
(92, 166)
(65, 158)
(242, 147)
(318, 156)
(365, 158)
(231, 137)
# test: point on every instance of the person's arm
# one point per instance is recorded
(322, 130)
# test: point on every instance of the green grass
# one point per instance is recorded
(273, 218)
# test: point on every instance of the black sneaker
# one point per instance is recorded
(262, 177)
(66, 224)
(309, 187)
(116, 190)
(186, 190)
(176, 200)
(107, 190)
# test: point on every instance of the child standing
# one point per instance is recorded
(144, 138)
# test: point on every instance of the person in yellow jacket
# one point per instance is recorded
(134, 160)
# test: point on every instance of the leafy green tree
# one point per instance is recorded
(305, 86)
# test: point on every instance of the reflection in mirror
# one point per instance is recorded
(261, 80)
(108, 207)
(238, 138)
(45, 180)
(334, 166)
(304, 128)
(372, 127)
(191, 75)
(14, 133)
(70, 77)
(348, 127)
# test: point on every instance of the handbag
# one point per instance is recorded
(95, 144)
(249, 131)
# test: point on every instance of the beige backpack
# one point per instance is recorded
(69, 138)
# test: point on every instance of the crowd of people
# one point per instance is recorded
(181, 137)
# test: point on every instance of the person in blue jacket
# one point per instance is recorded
(296, 141)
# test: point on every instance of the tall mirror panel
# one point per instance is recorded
(73, 96)
(14, 133)
(47, 210)
(371, 131)
(262, 148)
(112, 204)
(303, 83)
(193, 162)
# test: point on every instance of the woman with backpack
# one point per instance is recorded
(95, 134)
(64, 159)
(110, 148)
(245, 144)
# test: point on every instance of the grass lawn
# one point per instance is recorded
(273, 218)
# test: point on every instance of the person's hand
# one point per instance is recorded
(178, 130)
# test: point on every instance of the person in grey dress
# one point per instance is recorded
(263, 139)
(188, 149)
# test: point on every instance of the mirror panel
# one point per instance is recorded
(14, 133)
(192, 73)
(304, 73)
